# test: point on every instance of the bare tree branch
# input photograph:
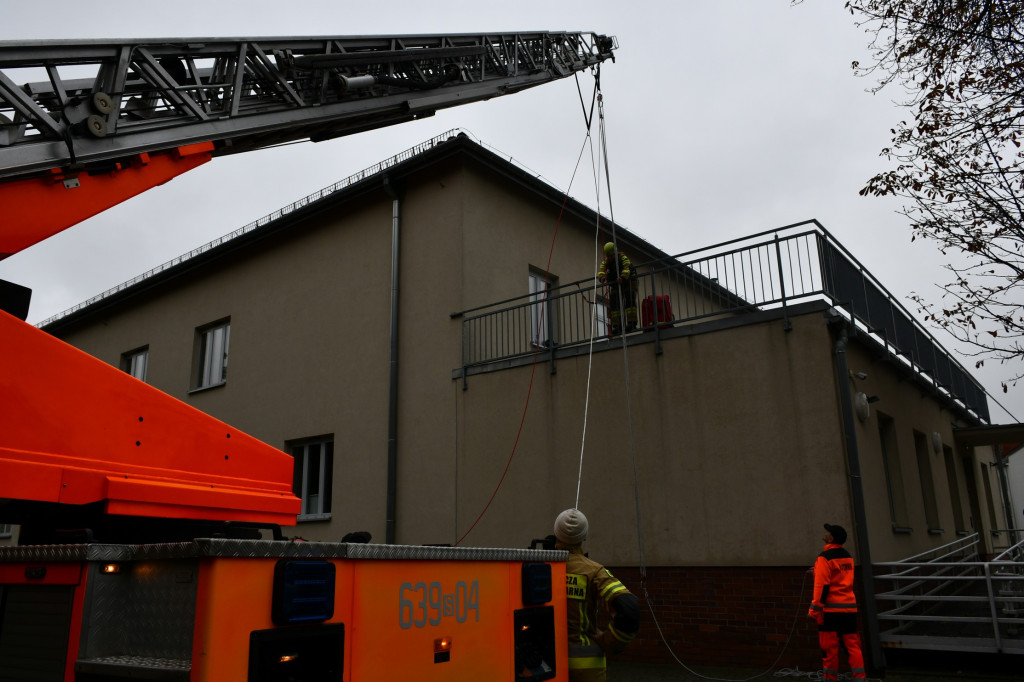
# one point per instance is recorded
(959, 163)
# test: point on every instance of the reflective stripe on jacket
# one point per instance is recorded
(833, 581)
(586, 657)
(609, 270)
(589, 586)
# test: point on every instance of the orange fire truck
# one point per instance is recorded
(150, 544)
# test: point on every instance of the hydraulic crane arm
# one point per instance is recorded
(87, 124)
(113, 118)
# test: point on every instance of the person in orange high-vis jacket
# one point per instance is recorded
(588, 586)
(834, 606)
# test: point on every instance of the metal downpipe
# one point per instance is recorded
(392, 465)
(840, 327)
(1004, 489)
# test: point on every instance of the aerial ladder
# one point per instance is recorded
(150, 110)
(144, 552)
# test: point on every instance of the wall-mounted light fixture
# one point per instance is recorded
(861, 406)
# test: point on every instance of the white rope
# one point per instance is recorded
(636, 479)
(789, 638)
(625, 349)
(593, 316)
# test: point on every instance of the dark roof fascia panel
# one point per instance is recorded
(880, 353)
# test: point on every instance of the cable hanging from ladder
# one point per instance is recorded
(543, 302)
(629, 419)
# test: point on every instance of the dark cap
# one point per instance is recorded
(838, 533)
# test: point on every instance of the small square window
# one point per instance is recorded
(135, 362)
(6, 531)
(313, 476)
(211, 359)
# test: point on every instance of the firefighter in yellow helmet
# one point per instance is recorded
(617, 272)
(589, 586)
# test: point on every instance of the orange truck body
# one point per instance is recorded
(92, 459)
(77, 431)
(212, 610)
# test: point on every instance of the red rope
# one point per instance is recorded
(533, 370)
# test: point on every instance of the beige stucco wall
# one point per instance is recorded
(912, 410)
(735, 430)
(991, 507)
(306, 355)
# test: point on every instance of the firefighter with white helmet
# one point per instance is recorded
(588, 586)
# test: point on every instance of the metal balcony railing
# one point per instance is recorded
(768, 270)
(948, 599)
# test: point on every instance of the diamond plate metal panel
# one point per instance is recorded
(135, 668)
(415, 552)
(147, 662)
(264, 549)
(148, 610)
(218, 547)
(342, 550)
(43, 553)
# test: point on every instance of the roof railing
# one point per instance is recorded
(769, 270)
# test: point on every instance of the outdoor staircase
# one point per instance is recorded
(948, 599)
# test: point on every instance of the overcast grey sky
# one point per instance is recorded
(723, 119)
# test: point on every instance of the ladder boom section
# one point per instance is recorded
(89, 105)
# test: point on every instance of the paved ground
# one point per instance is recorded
(901, 667)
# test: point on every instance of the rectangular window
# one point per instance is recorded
(954, 490)
(924, 470)
(313, 476)
(6, 530)
(893, 473)
(211, 360)
(987, 484)
(135, 362)
(601, 327)
(541, 314)
(971, 483)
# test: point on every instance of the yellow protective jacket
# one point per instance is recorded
(608, 271)
(833, 582)
(589, 587)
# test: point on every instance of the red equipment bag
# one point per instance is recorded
(664, 310)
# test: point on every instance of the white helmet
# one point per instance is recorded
(571, 527)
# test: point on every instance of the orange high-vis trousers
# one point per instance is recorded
(829, 642)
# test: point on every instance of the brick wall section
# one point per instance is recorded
(725, 616)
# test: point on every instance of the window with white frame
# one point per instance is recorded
(211, 360)
(313, 475)
(135, 362)
(600, 329)
(540, 311)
